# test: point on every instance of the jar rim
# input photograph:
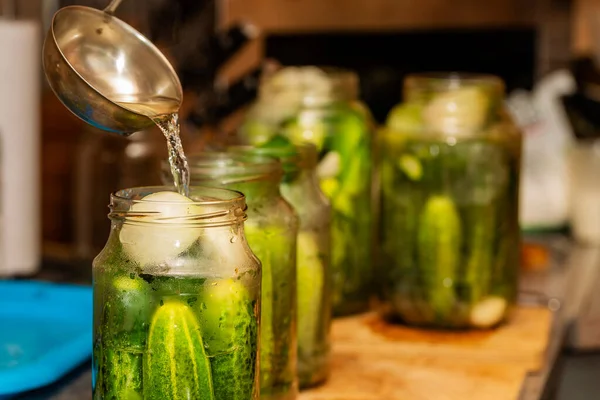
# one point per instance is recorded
(451, 80)
(208, 206)
(342, 83)
(233, 167)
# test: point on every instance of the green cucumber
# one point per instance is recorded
(311, 284)
(124, 338)
(257, 132)
(122, 375)
(411, 166)
(406, 118)
(175, 365)
(275, 248)
(230, 332)
(480, 222)
(439, 242)
(299, 131)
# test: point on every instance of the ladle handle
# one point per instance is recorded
(112, 7)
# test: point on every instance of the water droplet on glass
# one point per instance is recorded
(233, 239)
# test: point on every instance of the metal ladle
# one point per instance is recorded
(106, 72)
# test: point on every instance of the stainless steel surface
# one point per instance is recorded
(552, 289)
(571, 282)
(106, 72)
(585, 331)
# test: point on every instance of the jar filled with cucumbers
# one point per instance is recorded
(176, 298)
(449, 174)
(300, 187)
(271, 231)
(320, 106)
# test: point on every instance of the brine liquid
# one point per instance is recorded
(160, 110)
(169, 125)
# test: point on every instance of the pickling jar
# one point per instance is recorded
(449, 232)
(271, 231)
(321, 106)
(300, 187)
(176, 298)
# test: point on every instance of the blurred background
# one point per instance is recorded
(383, 40)
(546, 51)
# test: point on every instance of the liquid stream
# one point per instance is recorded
(160, 111)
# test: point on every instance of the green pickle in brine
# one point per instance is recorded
(449, 231)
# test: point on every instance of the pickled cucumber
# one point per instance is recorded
(311, 281)
(176, 366)
(230, 330)
(479, 224)
(122, 375)
(406, 118)
(439, 242)
(124, 336)
(276, 251)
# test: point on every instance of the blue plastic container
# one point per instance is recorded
(45, 332)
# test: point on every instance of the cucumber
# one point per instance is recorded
(405, 118)
(175, 365)
(480, 236)
(438, 247)
(411, 166)
(276, 249)
(122, 375)
(230, 332)
(311, 285)
(299, 131)
(257, 132)
(267, 337)
(123, 331)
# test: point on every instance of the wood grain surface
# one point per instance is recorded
(373, 360)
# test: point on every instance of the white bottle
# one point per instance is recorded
(20, 49)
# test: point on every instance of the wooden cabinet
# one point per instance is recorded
(298, 15)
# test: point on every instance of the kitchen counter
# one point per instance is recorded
(570, 275)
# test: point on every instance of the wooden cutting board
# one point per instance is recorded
(373, 360)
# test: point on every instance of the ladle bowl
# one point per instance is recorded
(106, 72)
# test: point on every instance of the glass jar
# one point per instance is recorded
(321, 106)
(450, 243)
(300, 187)
(271, 231)
(176, 298)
